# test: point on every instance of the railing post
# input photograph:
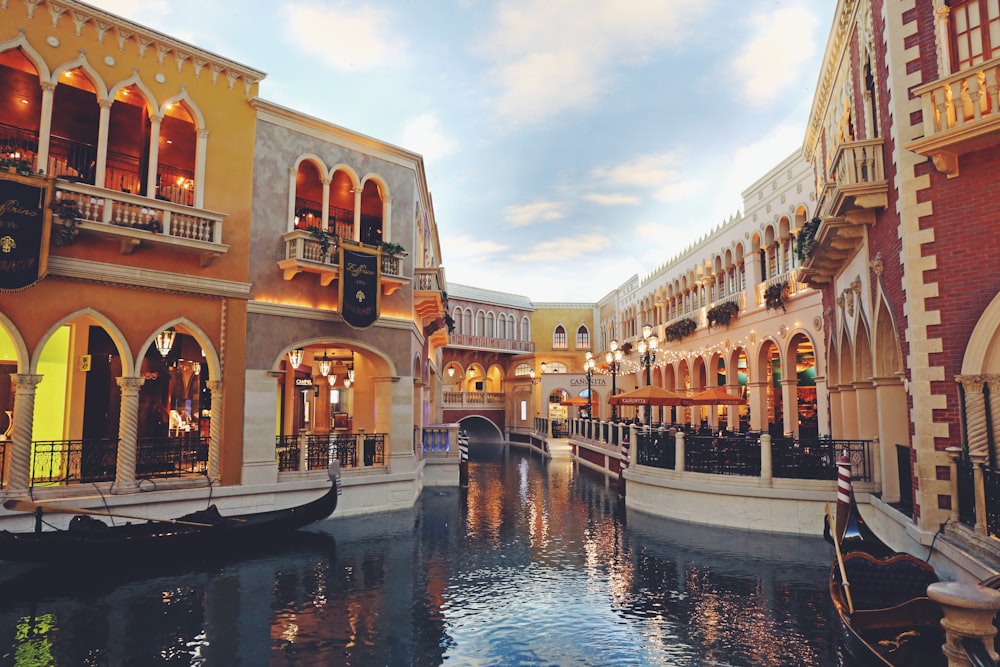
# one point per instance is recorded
(303, 452)
(679, 451)
(968, 615)
(953, 453)
(978, 460)
(766, 465)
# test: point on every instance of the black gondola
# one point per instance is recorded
(92, 542)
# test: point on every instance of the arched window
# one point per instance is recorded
(490, 331)
(467, 323)
(559, 338)
(582, 338)
(522, 369)
(525, 329)
(555, 367)
(480, 323)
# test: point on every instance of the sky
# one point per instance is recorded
(568, 144)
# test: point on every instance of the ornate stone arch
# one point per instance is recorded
(81, 62)
(186, 326)
(135, 80)
(33, 56)
(20, 347)
(117, 337)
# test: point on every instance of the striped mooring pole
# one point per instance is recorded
(463, 461)
(623, 465)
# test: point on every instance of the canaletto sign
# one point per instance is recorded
(22, 253)
(360, 285)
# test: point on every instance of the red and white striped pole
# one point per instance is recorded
(623, 461)
(845, 493)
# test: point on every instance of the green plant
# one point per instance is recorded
(325, 239)
(722, 314)
(774, 296)
(680, 329)
(66, 218)
(392, 248)
(805, 242)
(450, 321)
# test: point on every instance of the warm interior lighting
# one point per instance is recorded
(165, 341)
(295, 357)
(196, 367)
(350, 373)
(332, 379)
(324, 363)
(451, 371)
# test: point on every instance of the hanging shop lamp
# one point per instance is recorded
(295, 357)
(165, 341)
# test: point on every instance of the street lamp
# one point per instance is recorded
(647, 357)
(614, 358)
(588, 368)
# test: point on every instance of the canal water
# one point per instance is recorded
(536, 563)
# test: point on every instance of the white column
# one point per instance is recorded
(200, 155)
(325, 212)
(790, 406)
(19, 473)
(154, 155)
(215, 431)
(103, 132)
(356, 232)
(45, 126)
(128, 428)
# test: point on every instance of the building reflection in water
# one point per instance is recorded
(537, 563)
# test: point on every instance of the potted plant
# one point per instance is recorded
(722, 314)
(805, 242)
(774, 296)
(65, 218)
(680, 329)
(394, 249)
(325, 239)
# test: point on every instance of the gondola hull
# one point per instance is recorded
(94, 543)
(893, 622)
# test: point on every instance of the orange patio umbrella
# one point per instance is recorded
(577, 401)
(649, 395)
(716, 396)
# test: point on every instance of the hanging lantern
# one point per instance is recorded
(295, 357)
(325, 363)
(332, 379)
(165, 341)
(196, 367)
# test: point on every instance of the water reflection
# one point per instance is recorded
(535, 564)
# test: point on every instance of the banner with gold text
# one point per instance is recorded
(360, 285)
(23, 254)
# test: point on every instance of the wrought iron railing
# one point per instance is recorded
(656, 448)
(991, 491)
(352, 450)
(61, 462)
(722, 456)
(171, 457)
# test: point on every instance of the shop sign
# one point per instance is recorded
(22, 253)
(360, 285)
(303, 382)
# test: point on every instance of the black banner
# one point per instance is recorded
(360, 285)
(22, 208)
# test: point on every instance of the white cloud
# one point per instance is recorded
(144, 11)
(424, 135)
(347, 39)
(677, 191)
(645, 171)
(565, 248)
(612, 199)
(782, 43)
(556, 56)
(526, 214)
(470, 249)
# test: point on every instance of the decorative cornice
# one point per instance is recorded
(144, 38)
(146, 279)
(833, 59)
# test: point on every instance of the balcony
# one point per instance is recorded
(431, 304)
(792, 279)
(846, 205)
(134, 220)
(961, 114)
(305, 254)
(489, 343)
(859, 186)
(474, 399)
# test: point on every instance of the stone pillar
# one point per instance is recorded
(766, 465)
(45, 126)
(822, 406)
(757, 395)
(893, 429)
(100, 168)
(154, 154)
(679, 451)
(19, 472)
(128, 429)
(753, 278)
(968, 614)
(200, 155)
(953, 454)
(325, 211)
(790, 406)
(975, 413)
(215, 431)
(978, 460)
(836, 414)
